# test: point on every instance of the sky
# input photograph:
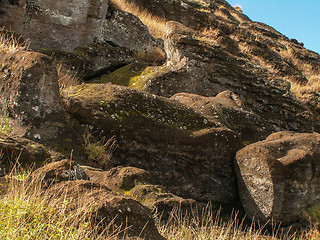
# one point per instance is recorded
(299, 19)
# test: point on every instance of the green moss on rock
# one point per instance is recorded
(134, 75)
(123, 75)
(124, 104)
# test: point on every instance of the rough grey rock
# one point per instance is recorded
(126, 30)
(67, 24)
(279, 177)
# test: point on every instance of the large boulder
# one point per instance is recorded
(179, 147)
(105, 210)
(61, 25)
(65, 25)
(279, 177)
(127, 30)
(31, 105)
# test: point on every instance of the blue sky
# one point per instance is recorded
(299, 19)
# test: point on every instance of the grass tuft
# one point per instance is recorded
(5, 127)
(66, 78)
(155, 56)
(9, 43)
(99, 151)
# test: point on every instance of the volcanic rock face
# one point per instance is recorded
(198, 64)
(207, 70)
(279, 177)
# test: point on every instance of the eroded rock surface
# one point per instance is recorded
(179, 147)
(127, 30)
(64, 24)
(279, 177)
(126, 214)
(31, 105)
(225, 77)
(93, 60)
(56, 172)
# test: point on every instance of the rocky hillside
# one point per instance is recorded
(159, 104)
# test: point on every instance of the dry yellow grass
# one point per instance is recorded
(27, 216)
(8, 43)
(300, 91)
(155, 56)
(24, 215)
(66, 78)
(209, 226)
(156, 25)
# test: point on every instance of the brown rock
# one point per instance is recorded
(160, 201)
(92, 60)
(31, 104)
(56, 172)
(66, 182)
(23, 151)
(120, 178)
(136, 184)
(127, 215)
(279, 177)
